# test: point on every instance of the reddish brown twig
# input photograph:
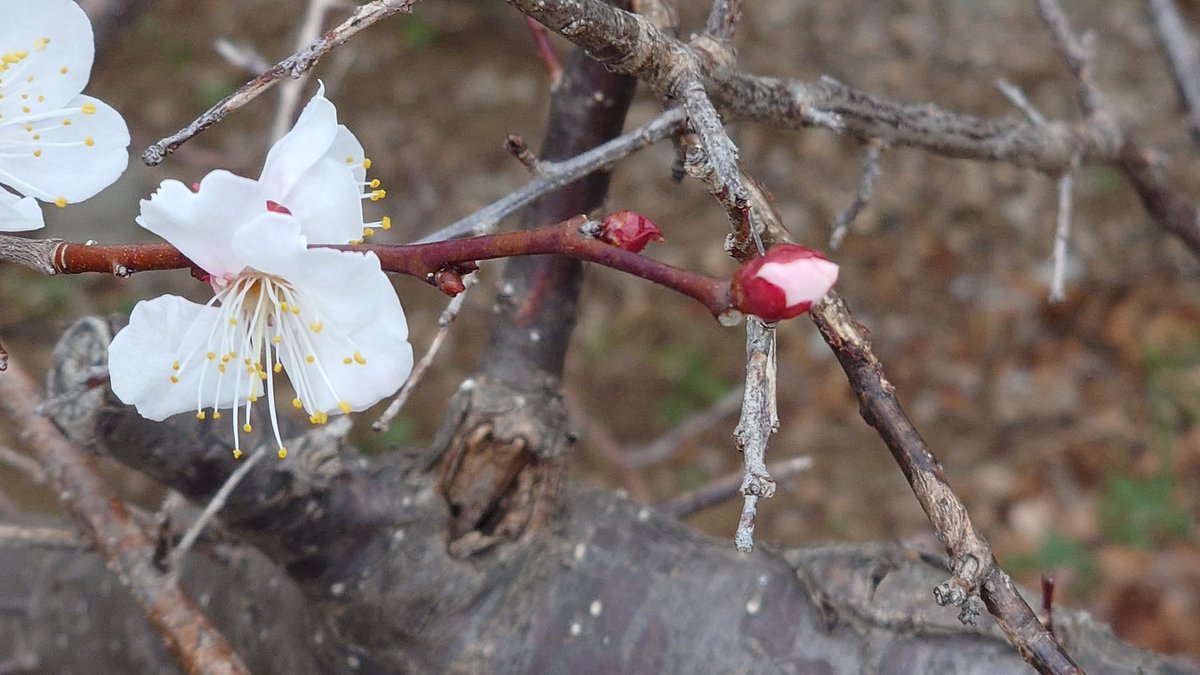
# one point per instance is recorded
(975, 570)
(189, 635)
(3, 359)
(440, 263)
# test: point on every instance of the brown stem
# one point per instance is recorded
(423, 261)
(975, 570)
(194, 641)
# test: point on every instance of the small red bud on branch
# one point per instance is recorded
(783, 283)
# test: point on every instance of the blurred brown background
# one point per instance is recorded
(1070, 430)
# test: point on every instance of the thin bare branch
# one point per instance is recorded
(726, 488)
(554, 175)
(759, 420)
(601, 439)
(866, 187)
(723, 19)
(445, 321)
(1076, 54)
(1017, 97)
(22, 463)
(289, 92)
(242, 56)
(1062, 233)
(54, 537)
(1183, 57)
(662, 448)
(213, 507)
(191, 638)
(975, 571)
(293, 66)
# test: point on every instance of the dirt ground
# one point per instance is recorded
(1072, 431)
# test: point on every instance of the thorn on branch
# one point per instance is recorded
(517, 147)
(1048, 587)
(545, 50)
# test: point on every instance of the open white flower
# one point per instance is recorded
(56, 145)
(329, 320)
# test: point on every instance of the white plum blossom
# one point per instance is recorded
(56, 145)
(327, 320)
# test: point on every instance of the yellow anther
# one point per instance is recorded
(237, 454)
(310, 359)
(347, 360)
(316, 326)
(278, 367)
(64, 70)
(344, 406)
(247, 428)
(275, 339)
(282, 452)
(366, 162)
(210, 356)
(295, 309)
(314, 419)
(376, 195)
(28, 128)
(221, 367)
(349, 160)
(89, 109)
(26, 109)
(368, 232)
(374, 183)
(200, 415)
(386, 223)
(37, 153)
(175, 366)
(233, 355)
(262, 375)
(297, 403)
(89, 141)
(358, 358)
(249, 363)
(252, 398)
(355, 242)
(233, 321)
(283, 307)
(174, 380)
(36, 137)
(61, 202)
(66, 122)
(216, 414)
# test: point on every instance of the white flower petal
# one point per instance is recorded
(306, 143)
(346, 150)
(56, 38)
(326, 201)
(45, 158)
(19, 214)
(353, 300)
(163, 331)
(202, 224)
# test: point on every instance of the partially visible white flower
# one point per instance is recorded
(318, 172)
(328, 320)
(56, 145)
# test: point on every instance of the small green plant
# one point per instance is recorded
(1142, 512)
(1056, 552)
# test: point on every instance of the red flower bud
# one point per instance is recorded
(783, 283)
(630, 231)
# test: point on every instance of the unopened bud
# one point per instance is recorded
(783, 283)
(630, 231)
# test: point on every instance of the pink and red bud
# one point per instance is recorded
(629, 230)
(783, 283)
(276, 207)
